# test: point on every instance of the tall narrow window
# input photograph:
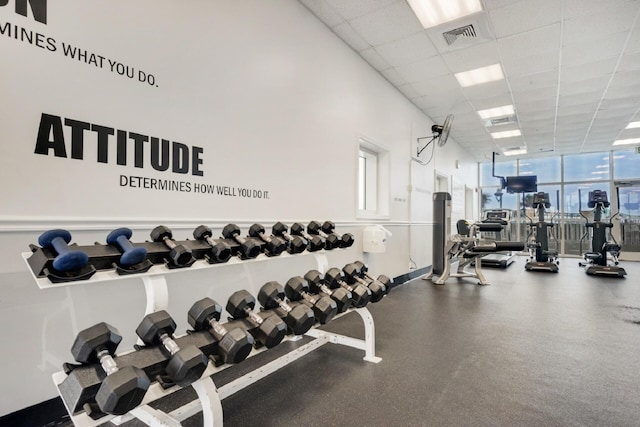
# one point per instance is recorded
(373, 180)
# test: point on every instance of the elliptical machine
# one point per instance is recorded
(597, 262)
(541, 258)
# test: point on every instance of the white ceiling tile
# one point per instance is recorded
(524, 16)
(593, 50)
(524, 44)
(629, 62)
(492, 102)
(472, 57)
(586, 71)
(353, 9)
(447, 83)
(633, 45)
(409, 49)
(543, 94)
(372, 57)
(423, 69)
(543, 107)
(487, 90)
(597, 84)
(394, 77)
(601, 24)
(388, 24)
(581, 98)
(494, 4)
(408, 91)
(536, 62)
(346, 32)
(323, 11)
(534, 81)
(575, 8)
(569, 110)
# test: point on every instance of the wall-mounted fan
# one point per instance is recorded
(440, 132)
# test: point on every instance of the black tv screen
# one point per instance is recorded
(522, 184)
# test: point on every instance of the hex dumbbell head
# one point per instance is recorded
(351, 273)
(362, 267)
(279, 229)
(275, 246)
(324, 308)
(66, 260)
(161, 232)
(346, 240)
(315, 243)
(314, 280)
(295, 287)
(386, 281)
(239, 302)
(230, 231)
(272, 329)
(343, 299)
(155, 324)
(298, 244)
(314, 227)
(90, 341)
(221, 251)
(360, 295)
(270, 294)
(187, 365)
(202, 232)
(333, 277)
(235, 345)
(378, 290)
(328, 227)
(300, 319)
(122, 391)
(129, 257)
(250, 248)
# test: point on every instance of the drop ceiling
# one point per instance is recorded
(572, 68)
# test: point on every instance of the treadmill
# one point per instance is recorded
(499, 259)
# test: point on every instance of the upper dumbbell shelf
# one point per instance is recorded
(155, 270)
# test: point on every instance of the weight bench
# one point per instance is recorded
(466, 248)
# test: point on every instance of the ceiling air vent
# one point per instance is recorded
(452, 35)
(496, 121)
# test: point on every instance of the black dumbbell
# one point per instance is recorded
(352, 276)
(130, 255)
(67, 259)
(324, 308)
(275, 245)
(249, 248)
(361, 295)
(233, 345)
(315, 242)
(346, 240)
(123, 388)
(299, 318)
(364, 273)
(331, 240)
(340, 295)
(180, 254)
(220, 251)
(296, 244)
(269, 331)
(186, 364)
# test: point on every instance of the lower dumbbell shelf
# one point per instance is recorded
(210, 396)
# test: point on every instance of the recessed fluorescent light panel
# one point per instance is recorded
(633, 125)
(627, 141)
(489, 113)
(515, 152)
(480, 75)
(435, 12)
(506, 134)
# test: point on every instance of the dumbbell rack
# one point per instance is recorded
(209, 396)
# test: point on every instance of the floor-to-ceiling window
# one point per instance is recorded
(568, 180)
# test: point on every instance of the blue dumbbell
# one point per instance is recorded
(67, 259)
(130, 255)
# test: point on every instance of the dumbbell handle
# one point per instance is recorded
(312, 299)
(169, 343)
(124, 243)
(345, 285)
(324, 288)
(320, 233)
(240, 240)
(283, 305)
(264, 237)
(60, 245)
(286, 236)
(106, 361)
(218, 331)
(210, 240)
(253, 316)
(170, 243)
(361, 280)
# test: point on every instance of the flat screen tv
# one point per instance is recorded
(522, 184)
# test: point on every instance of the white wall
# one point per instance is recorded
(275, 100)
